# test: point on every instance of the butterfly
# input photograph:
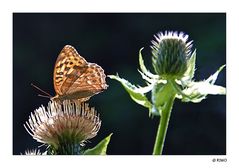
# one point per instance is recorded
(76, 79)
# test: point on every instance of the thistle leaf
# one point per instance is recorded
(212, 79)
(137, 94)
(189, 74)
(143, 68)
(191, 66)
(205, 88)
(100, 148)
(199, 90)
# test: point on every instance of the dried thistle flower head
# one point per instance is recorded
(171, 53)
(34, 152)
(64, 126)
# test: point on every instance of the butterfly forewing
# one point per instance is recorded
(75, 78)
(65, 63)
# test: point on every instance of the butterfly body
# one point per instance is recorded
(76, 79)
(81, 96)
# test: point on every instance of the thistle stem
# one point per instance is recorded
(163, 126)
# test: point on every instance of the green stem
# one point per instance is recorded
(163, 126)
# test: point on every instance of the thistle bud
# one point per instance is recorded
(170, 54)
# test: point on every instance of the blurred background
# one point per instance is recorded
(113, 40)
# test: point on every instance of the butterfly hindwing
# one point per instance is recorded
(91, 82)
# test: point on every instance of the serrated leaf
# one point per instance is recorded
(212, 79)
(189, 74)
(192, 64)
(205, 88)
(144, 69)
(100, 148)
(199, 90)
(196, 99)
(137, 94)
(146, 78)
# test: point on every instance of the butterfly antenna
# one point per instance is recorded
(46, 94)
(40, 95)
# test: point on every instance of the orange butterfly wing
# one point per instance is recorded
(75, 78)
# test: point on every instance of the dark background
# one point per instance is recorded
(113, 40)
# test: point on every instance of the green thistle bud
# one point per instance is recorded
(171, 53)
